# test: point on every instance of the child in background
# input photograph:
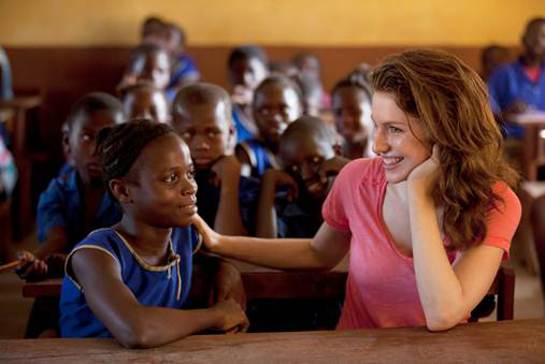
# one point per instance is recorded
(311, 91)
(152, 30)
(247, 68)
(149, 62)
(351, 104)
(76, 202)
(226, 200)
(183, 70)
(309, 66)
(73, 204)
(144, 101)
(310, 166)
(493, 57)
(131, 280)
(276, 103)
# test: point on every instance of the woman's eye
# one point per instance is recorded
(393, 129)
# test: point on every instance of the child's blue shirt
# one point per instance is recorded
(510, 83)
(261, 158)
(62, 205)
(159, 286)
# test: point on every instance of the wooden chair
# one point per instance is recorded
(502, 290)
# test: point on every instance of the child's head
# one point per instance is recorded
(533, 39)
(492, 57)
(305, 145)
(247, 66)
(143, 100)
(89, 114)
(148, 169)
(311, 92)
(308, 64)
(153, 30)
(424, 98)
(202, 117)
(150, 62)
(351, 104)
(276, 103)
(175, 39)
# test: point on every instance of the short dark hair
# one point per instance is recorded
(353, 82)
(281, 80)
(119, 146)
(247, 52)
(91, 103)
(200, 93)
(309, 125)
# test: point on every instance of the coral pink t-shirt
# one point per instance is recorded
(381, 287)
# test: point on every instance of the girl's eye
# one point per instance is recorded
(171, 178)
(85, 137)
(186, 135)
(191, 174)
(293, 169)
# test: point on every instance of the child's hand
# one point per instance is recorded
(210, 238)
(32, 269)
(424, 176)
(227, 166)
(331, 167)
(276, 178)
(233, 317)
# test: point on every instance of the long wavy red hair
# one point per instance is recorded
(451, 102)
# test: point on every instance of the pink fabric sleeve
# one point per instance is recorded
(334, 209)
(502, 221)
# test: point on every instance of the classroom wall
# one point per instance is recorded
(271, 22)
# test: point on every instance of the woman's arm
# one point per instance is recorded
(324, 251)
(137, 326)
(447, 293)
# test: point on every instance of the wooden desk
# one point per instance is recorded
(259, 283)
(534, 145)
(497, 342)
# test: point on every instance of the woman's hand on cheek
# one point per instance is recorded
(424, 176)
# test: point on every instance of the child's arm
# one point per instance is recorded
(266, 226)
(223, 277)
(245, 161)
(324, 251)
(137, 326)
(228, 219)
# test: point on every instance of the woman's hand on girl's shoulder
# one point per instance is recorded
(425, 175)
(211, 239)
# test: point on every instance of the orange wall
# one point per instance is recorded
(270, 22)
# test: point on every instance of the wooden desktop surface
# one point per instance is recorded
(497, 342)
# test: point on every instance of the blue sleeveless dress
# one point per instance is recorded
(160, 286)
